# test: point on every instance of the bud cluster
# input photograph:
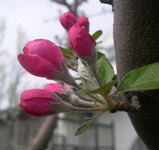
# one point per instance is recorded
(43, 58)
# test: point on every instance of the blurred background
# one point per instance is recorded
(25, 20)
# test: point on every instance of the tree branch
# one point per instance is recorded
(110, 2)
(71, 7)
(61, 2)
(44, 134)
(136, 38)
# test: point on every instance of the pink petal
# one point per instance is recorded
(81, 41)
(67, 20)
(36, 102)
(36, 93)
(53, 87)
(36, 65)
(83, 22)
(45, 49)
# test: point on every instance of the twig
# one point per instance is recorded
(124, 105)
(59, 1)
(71, 7)
(110, 2)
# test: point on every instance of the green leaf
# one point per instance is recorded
(97, 34)
(87, 119)
(104, 68)
(85, 125)
(143, 78)
(104, 89)
(66, 51)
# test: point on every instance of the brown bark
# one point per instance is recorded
(41, 140)
(136, 38)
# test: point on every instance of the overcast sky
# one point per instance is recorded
(38, 19)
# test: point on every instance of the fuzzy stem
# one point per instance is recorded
(97, 77)
(77, 109)
(110, 101)
(87, 103)
(76, 85)
(92, 66)
(95, 99)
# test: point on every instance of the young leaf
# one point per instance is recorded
(88, 81)
(104, 89)
(97, 34)
(66, 51)
(104, 68)
(85, 125)
(142, 78)
(88, 119)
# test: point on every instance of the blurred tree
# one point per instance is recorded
(44, 134)
(2, 29)
(72, 7)
(10, 80)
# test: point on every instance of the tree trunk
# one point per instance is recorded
(41, 140)
(136, 38)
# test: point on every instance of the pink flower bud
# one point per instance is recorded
(67, 20)
(41, 57)
(36, 101)
(52, 87)
(81, 42)
(83, 22)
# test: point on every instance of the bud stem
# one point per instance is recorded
(97, 77)
(93, 67)
(65, 76)
(100, 100)
(87, 103)
(77, 109)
